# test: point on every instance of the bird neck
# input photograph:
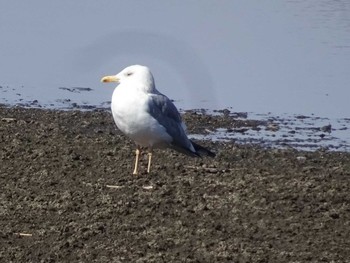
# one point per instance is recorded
(147, 87)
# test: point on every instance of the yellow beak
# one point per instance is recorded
(110, 79)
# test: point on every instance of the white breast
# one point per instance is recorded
(129, 108)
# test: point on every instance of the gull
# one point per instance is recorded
(148, 117)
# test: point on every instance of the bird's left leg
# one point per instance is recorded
(149, 160)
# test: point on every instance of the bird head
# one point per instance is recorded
(135, 74)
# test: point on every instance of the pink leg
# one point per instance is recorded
(137, 152)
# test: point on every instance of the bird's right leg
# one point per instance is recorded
(149, 160)
(137, 152)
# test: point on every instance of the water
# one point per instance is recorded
(281, 57)
(305, 133)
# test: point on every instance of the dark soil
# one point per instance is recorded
(67, 195)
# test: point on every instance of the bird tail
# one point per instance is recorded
(201, 151)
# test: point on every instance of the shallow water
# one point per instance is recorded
(281, 57)
(285, 58)
(305, 133)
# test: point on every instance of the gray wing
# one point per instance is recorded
(164, 111)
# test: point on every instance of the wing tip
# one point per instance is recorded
(202, 151)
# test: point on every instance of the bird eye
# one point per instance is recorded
(129, 73)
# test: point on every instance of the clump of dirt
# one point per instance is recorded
(200, 122)
(67, 195)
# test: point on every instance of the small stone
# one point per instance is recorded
(272, 127)
(301, 159)
(326, 128)
(212, 170)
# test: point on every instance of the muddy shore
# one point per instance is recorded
(67, 195)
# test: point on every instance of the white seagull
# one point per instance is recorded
(147, 116)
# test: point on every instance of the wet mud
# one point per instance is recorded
(68, 195)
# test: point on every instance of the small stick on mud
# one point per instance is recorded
(114, 186)
(8, 119)
(191, 167)
(24, 234)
